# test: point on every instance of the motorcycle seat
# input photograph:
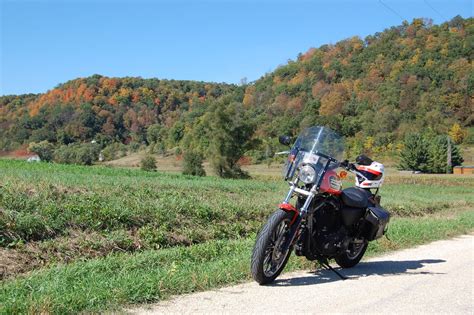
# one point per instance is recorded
(355, 197)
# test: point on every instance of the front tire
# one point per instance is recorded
(352, 255)
(267, 259)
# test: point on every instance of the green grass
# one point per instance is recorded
(123, 279)
(420, 199)
(44, 201)
(76, 238)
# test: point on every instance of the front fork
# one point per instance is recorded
(299, 215)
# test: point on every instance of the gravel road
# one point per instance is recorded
(433, 278)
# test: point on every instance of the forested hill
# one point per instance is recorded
(416, 77)
(101, 108)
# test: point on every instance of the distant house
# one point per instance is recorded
(34, 158)
(463, 170)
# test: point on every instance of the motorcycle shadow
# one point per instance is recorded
(363, 269)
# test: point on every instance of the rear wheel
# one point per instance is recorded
(352, 255)
(268, 258)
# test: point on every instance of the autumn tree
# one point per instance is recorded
(457, 134)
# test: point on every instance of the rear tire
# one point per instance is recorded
(267, 261)
(350, 258)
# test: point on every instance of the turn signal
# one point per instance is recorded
(343, 174)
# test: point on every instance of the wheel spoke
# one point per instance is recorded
(271, 264)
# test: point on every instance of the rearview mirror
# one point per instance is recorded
(285, 140)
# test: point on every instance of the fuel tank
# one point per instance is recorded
(331, 183)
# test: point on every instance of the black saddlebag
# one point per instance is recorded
(352, 215)
(376, 220)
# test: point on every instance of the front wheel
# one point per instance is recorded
(268, 258)
(352, 255)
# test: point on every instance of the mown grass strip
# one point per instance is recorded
(124, 279)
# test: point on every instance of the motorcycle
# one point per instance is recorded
(325, 222)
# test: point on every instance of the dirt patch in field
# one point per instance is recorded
(14, 262)
(75, 246)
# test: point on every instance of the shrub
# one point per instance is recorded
(114, 150)
(148, 163)
(44, 149)
(82, 154)
(192, 164)
(134, 146)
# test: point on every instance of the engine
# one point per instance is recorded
(323, 232)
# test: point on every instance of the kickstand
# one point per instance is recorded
(328, 267)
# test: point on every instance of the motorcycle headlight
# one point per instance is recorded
(307, 174)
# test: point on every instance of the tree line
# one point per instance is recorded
(415, 78)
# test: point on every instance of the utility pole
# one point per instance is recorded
(449, 164)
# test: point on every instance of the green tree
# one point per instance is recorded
(154, 134)
(192, 164)
(229, 133)
(438, 153)
(414, 154)
(44, 149)
(148, 163)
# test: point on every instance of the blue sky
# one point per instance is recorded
(44, 43)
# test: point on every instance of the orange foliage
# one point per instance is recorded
(248, 96)
(307, 55)
(112, 101)
(281, 102)
(298, 78)
(333, 102)
(296, 104)
(135, 97)
(109, 84)
(319, 89)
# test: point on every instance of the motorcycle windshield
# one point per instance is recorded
(312, 146)
(323, 140)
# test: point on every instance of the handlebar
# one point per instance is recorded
(347, 165)
(350, 167)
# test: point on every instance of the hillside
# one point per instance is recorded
(416, 77)
(413, 77)
(100, 108)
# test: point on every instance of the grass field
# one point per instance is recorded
(78, 239)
